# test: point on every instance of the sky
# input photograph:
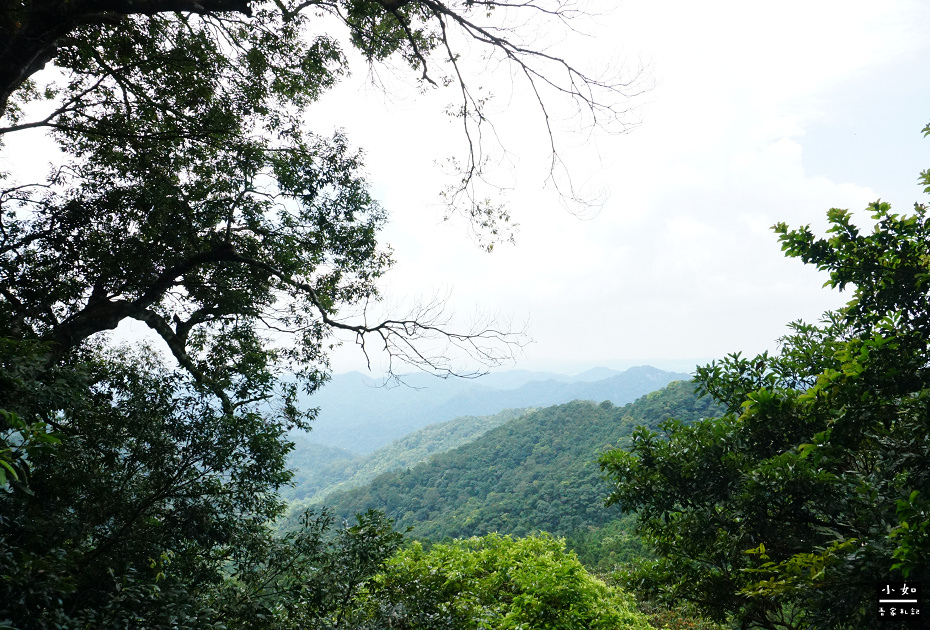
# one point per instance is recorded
(756, 113)
(750, 114)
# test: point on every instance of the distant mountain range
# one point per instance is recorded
(358, 414)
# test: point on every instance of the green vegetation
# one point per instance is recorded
(320, 470)
(602, 549)
(784, 513)
(498, 583)
(537, 472)
(191, 196)
(315, 466)
(151, 499)
(314, 578)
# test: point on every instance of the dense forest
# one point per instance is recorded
(320, 470)
(535, 473)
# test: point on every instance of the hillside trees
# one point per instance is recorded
(784, 512)
(315, 577)
(537, 472)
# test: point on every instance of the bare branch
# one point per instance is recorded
(398, 336)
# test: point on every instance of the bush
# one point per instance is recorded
(497, 582)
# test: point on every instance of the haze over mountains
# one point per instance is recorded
(433, 416)
(359, 414)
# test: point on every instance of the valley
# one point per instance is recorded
(518, 472)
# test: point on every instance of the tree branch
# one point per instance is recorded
(30, 34)
(397, 334)
(178, 348)
(97, 316)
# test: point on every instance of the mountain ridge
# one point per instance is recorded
(358, 415)
(353, 470)
(535, 472)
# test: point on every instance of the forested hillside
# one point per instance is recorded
(321, 469)
(538, 472)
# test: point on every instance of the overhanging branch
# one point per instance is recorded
(178, 348)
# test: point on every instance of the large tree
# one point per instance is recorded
(192, 195)
(195, 198)
(786, 511)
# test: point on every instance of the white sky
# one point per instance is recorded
(760, 112)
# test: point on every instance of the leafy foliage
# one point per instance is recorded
(196, 222)
(19, 443)
(785, 511)
(311, 578)
(142, 503)
(496, 582)
(602, 549)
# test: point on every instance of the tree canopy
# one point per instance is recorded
(785, 512)
(497, 582)
(193, 195)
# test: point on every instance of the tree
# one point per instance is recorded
(193, 197)
(156, 512)
(784, 512)
(314, 577)
(143, 506)
(196, 200)
(216, 238)
(496, 582)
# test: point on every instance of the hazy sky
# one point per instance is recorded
(758, 113)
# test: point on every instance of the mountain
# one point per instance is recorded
(535, 472)
(360, 414)
(339, 469)
(315, 465)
